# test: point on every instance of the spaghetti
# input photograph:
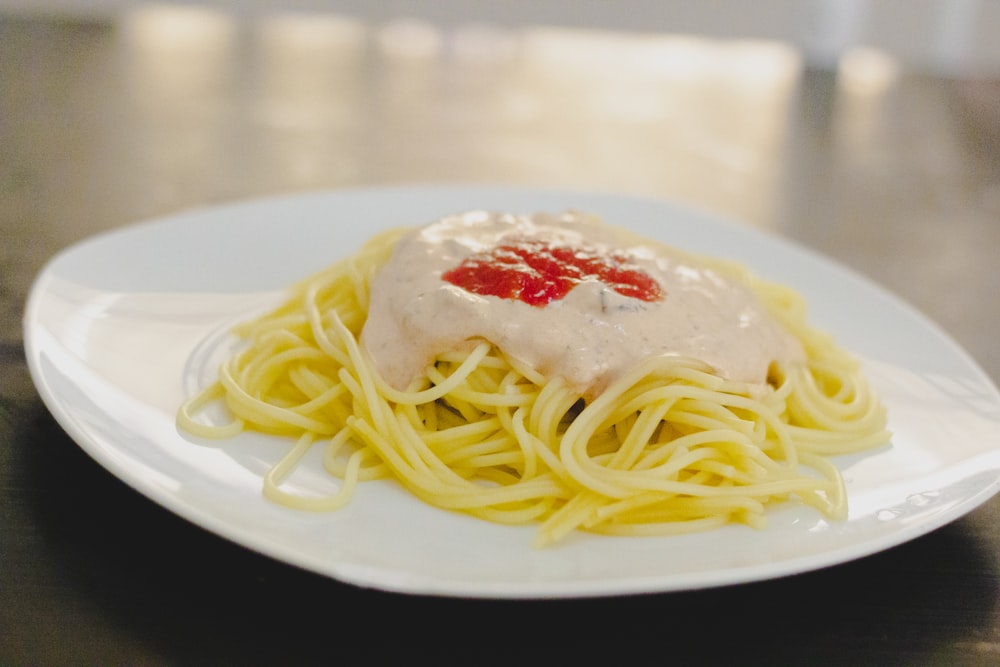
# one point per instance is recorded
(667, 445)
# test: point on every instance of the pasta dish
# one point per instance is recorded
(550, 369)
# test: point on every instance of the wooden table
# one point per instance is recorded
(893, 172)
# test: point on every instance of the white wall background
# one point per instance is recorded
(945, 36)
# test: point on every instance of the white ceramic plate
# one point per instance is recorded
(121, 328)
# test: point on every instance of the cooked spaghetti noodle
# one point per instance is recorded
(668, 446)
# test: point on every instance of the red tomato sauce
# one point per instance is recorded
(538, 273)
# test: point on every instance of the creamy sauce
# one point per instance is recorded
(591, 335)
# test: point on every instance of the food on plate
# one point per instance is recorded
(550, 368)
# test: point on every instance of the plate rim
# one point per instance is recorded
(406, 582)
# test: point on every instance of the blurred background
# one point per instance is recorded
(868, 130)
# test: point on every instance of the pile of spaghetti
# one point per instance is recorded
(667, 447)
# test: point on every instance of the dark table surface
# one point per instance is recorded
(892, 171)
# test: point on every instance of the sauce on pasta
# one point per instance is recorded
(566, 294)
